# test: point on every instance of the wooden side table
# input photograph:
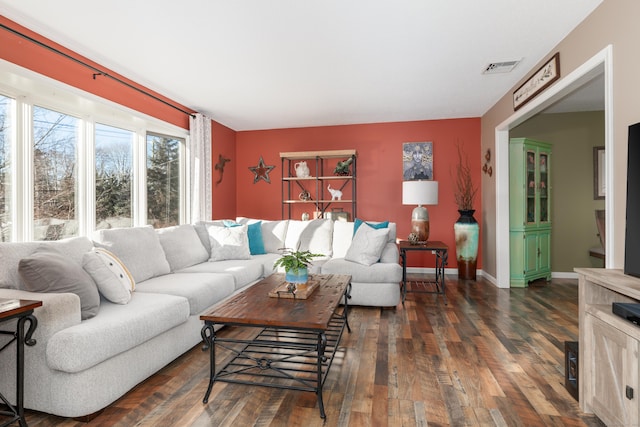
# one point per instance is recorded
(22, 310)
(441, 251)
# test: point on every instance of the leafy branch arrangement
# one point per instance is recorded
(465, 190)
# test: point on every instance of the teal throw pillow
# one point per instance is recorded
(358, 222)
(256, 244)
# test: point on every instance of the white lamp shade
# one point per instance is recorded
(420, 192)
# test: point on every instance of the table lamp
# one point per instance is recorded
(420, 193)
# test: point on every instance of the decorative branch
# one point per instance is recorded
(465, 190)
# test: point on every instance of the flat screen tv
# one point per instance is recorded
(632, 232)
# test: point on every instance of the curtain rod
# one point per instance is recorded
(96, 71)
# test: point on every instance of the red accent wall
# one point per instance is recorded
(379, 168)
(27, 54)
(379, 148)
(223, 141)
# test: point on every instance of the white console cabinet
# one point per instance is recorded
(608, 377)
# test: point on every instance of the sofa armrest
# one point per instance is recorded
(390, 253)
(58, 311)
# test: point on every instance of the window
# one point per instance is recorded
(71, 163)
(55, 138)
(5, 168)
(114, 177)
(163, 180)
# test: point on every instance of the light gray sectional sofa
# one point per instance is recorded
(79, 367)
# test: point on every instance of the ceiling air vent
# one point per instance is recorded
(500, 67)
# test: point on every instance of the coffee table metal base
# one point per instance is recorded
(292, 359)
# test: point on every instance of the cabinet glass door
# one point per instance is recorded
(531, 186)
(543, 160)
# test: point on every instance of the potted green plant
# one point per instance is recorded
(295, 264)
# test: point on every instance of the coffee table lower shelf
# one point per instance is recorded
(292, 359)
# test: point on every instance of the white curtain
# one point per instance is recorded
(199, 152)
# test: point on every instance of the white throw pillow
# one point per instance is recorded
(367, 245)
(110, 274)
(229, 243)
(182, 246)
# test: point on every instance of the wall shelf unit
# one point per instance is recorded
(310, 194)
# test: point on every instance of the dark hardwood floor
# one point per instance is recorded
(491, 357)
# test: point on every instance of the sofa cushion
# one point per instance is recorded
(203, 234)
(244, 271)
(315, 236)
(273, 232)
(202, 290)
(47, 270)
(376, 273)
(115, 330)
(367, 245)
(228, 243)
(73, 248)
(139, 249)
(182, 246)
(342, 237)
(114, 281)
(267, 261)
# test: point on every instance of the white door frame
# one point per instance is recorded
(598, 64)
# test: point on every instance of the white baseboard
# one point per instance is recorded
(450, 272)
(564, 275)
(489, 278)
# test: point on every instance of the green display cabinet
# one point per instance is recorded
(529, 211)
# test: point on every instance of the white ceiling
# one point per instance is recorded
(256, 64)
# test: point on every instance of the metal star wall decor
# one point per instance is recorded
(261, 171)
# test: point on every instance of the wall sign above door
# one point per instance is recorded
(547, 74)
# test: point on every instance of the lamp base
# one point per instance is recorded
(421, 228)
(420, 223)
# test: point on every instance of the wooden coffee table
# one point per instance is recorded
(296, 339)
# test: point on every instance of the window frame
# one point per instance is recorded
(27, 89)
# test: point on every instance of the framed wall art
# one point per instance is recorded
(547, 74)
(417, 161)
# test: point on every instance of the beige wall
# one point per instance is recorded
(614, 22)
(573, 136)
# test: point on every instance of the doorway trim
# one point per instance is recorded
(598, 64)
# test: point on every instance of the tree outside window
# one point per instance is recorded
(114, 176)
(55, 139)
(163, 180)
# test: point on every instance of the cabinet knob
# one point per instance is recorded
(629, 392)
